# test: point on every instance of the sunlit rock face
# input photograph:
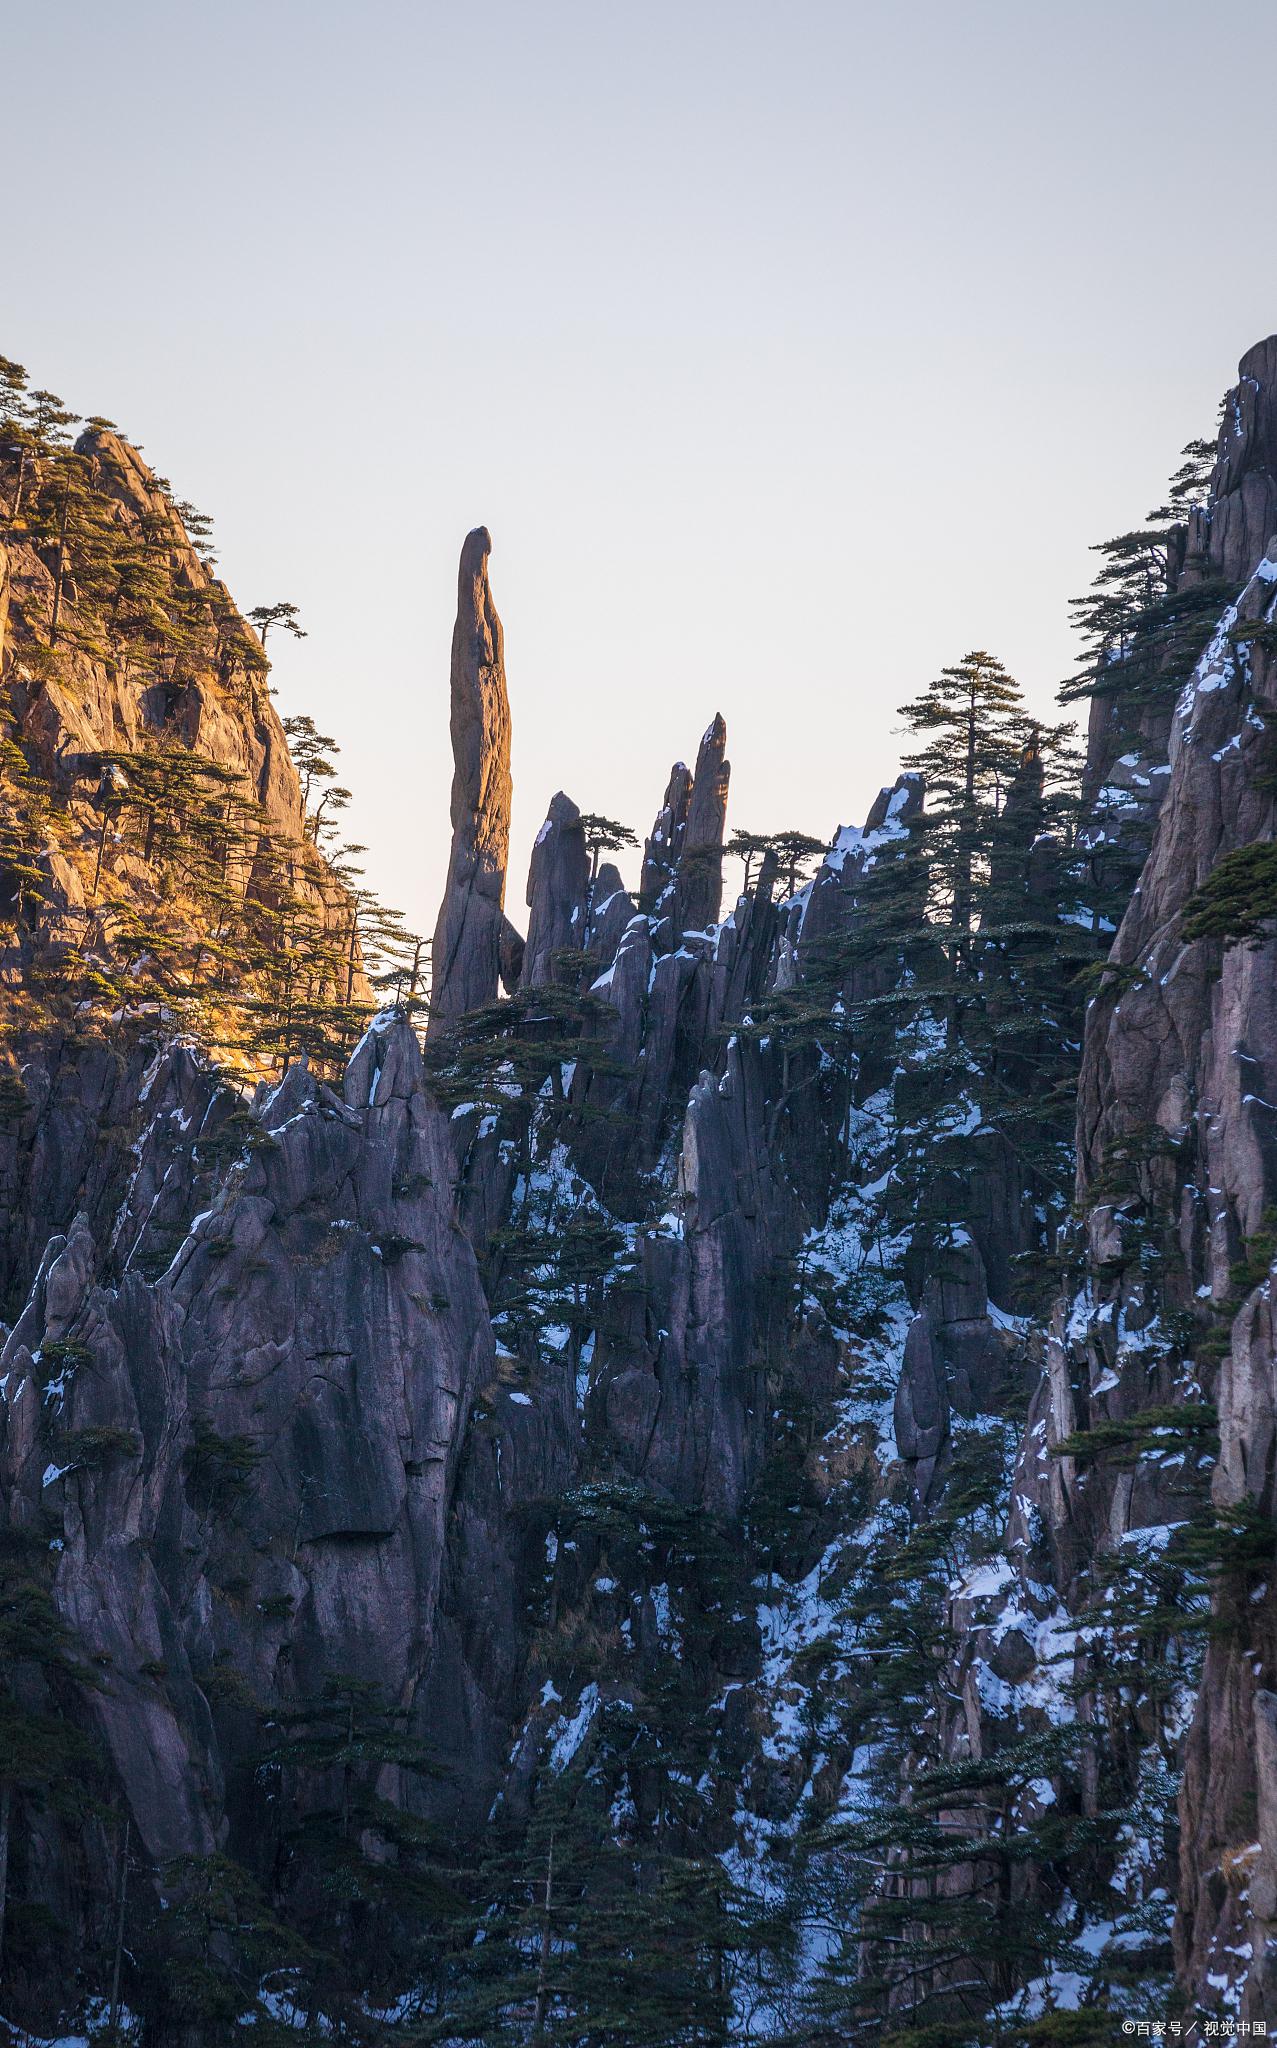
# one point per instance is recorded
(473, 944)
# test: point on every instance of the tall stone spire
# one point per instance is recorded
(473, 943)
(700, 875)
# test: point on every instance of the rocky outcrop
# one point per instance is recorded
(1177, 1178)
(558, 889)
(679, 1387)
(1231, 532)
(252, 1456)
(682, 880)
(146, 790)
(700, 867)
(473, 947)
(215, 701)
(665, 843)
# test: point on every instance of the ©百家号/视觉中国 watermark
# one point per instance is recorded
(1199, 2029)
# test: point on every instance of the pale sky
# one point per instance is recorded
(788, 351)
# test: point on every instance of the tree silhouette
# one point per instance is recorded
(284, 615)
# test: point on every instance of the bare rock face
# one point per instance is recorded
(1183, 1033)
(558, 885)
(71, 704)
(470, 936)
(682, 884)
(1179, 1069)
(90, 705)
(611, 908)
(1243, 488)
(679, 1387)
(700, 878)
(665, 844)
(921, 1404)
(324, 1314)
(1127, 769)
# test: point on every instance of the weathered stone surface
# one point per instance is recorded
(1179, 1064)
(468, 935)
(664, 845)
(680, 1393)
(90, 705)
(1243, 486)
(323, 1310)
(610, 910)
(922, 1403)
(558, 885)
(682, 880)
(700, 866)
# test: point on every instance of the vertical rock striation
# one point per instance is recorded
(473, 943)
(700, 885)
(558, 885)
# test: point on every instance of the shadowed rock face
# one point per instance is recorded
(1189, 1053)
(682, 884)
(665, 843)
(558, 883)
(323, 1310)
(1243, 509)
(700, 891)
(471, 945)
(1180, 1060)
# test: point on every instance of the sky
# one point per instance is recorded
(787, 351)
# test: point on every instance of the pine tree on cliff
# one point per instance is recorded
(314, 757)
(544, 1274)
(215, 1959)
(602, 835)
(360, 1875)
(1141, 632)
(35, 425)
(13, 410)
(984, 913)
(45, 1760)
(25, 804)
(948, 1892)
(284, 615)
(793, 852)
(582, 1933)
(607, 1917)
(518, 1059)
(971, 725)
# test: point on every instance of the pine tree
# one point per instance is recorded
(357, 1872)
(984, 1013)
(607, 1919)
(602, 836)
(792, 852)
(314, 757)
(972, 725)
(216, 1958)
(950, 1873)
(284, 615)
(1141, 632)
(46, 1761)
